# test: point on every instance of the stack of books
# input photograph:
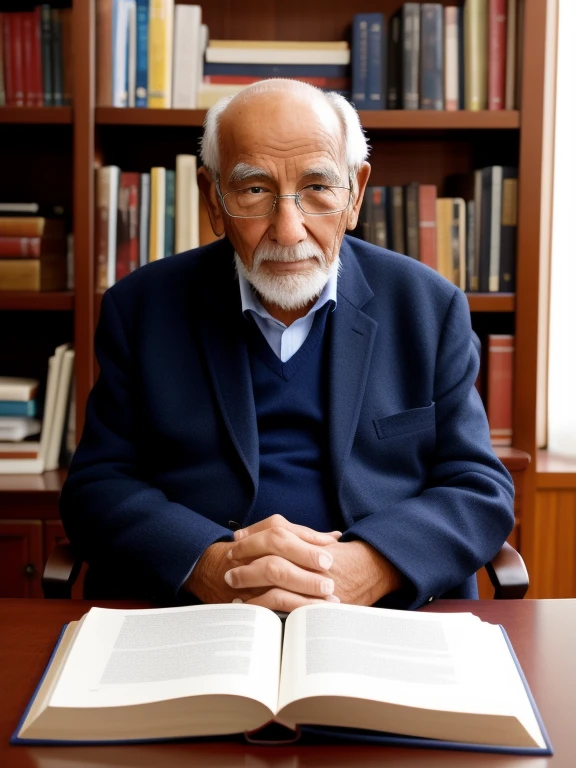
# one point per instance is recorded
(18, 454)
(33, 249)
(469, 238)
(142, 217)
(36, 57)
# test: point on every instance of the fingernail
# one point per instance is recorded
(332, 599)
(325, 560)
(336, 533)
(327, 587)
(239, 534)
(228, 578)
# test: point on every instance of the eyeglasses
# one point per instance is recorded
(257, 202)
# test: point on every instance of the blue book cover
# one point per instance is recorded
(360, 59)
(322, 735)
(278, 70)
(18, 408)
(142, 12)
(169, 215)
(377, 43)
(432, 56)
(411, 56)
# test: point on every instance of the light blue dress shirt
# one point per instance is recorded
(284, 340)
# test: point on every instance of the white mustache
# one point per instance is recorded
(300, 252)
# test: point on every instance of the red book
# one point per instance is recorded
(8, 79)
(37, 84)
(500, 381)
(31, 247)
(427, 224)
(496, 54)
(127, 257)
(17, 63)
(27, 60)
(335, 83)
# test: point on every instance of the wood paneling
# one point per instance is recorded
(21, 558)
(553, 566)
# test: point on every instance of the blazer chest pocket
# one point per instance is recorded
(406, 422)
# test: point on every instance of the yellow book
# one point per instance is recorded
(160, 43)
(339, 45)
(444, 206)
(476, 54)
(157, 213)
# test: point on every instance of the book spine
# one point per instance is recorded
(12, 408)
(329, 83)
(142, 7)
(131, 54)
(169, 213)
(495, 226)
(509, 222)
(461, 60)
(427, 224)
(37, 81)
(471, 253)
(28, 58)
(485, 220)
(444, 265)
(411, 55)
(476, 53)
(395, 61)
(412, 220)
(376, 61)
(500, 386)
(107, 181)
(57, 57)
(33, 274)
(144, 218)
(160, 32)
(186, 74)
(496, 54)
(2, 86)
(32, 226)
(276, 70)
(47, 80)
(67, 56)
(459, 243)
(274, 56)
(17, 64)
(24, 247)
(451, 71)
(133, 209)
(7, 58)
(104, 49)
(398, 240)
(511, 18)
(378, 234)
(123, 229)
(360, 60)
(157, 213)
(431, 57)
(120, 57)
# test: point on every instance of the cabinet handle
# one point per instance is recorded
(30, 569)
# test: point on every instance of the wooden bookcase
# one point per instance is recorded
(50, 155)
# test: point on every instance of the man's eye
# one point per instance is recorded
(316, 188)
(254, 190)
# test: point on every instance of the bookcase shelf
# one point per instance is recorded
(376, 120)
(492, 302)
(48, 300)
(40, 115)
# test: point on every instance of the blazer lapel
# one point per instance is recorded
(220, 321)
(351, 343)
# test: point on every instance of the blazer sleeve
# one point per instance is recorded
(110, 514)
(465, 513)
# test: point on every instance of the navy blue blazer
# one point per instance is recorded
(169, 452)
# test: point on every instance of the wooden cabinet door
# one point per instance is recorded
(21, 559)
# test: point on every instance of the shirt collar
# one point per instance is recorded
(251, 302)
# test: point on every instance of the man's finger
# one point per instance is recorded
(281, 541)
(280, 600)
(304, 533)
(274, 571)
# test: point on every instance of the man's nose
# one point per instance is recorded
(287, 225)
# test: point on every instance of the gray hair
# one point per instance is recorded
(357, 148)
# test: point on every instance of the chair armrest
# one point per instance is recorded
(61, 571)
(508, 574)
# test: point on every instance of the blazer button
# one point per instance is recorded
(233, 525)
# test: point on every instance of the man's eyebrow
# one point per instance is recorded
(328, 175)
(243, 171)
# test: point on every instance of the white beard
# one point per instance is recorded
(291, 291)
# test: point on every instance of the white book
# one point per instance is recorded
(144, 217)
(15, 388)
(60, 409)
(451, 71)
(495, 229)
(187, 61)
(276, 56)
(209, 670)
(187, 202)
(18, 427)
(120, 26)
(131, 63)
(52, 384)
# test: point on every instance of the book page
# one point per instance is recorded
(444, 662)
(133, 657)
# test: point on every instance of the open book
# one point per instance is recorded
(122, 675)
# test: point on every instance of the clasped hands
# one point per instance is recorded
(281, 566)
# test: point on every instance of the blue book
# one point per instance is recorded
(377, 43)
(432, 56)
(119, 665)
(278, 70)
(18, 408)
(142, 13)
(360, 59)
(170, 213)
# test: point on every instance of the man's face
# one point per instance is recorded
(282, 143)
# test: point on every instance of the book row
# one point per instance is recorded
(469, 238)
(31, 445)
(35, 252)
(142, 217)
(36, 67)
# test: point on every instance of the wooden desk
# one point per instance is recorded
(542, 632)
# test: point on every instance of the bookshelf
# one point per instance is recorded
(423, 146)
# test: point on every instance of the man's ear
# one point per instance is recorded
(207, 187)
(362, 180)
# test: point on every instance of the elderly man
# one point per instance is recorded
(287, 415)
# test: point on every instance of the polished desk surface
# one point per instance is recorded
(543, 633)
